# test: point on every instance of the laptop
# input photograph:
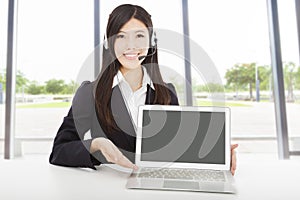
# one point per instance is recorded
(183, 148)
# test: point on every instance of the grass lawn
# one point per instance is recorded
(68, 104)
(46, 105)
(228, 104)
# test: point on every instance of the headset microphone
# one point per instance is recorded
(142, 57)
(153, 44)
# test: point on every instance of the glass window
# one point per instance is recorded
(3, 42)
(234, 34)
(229, 53)
(54, 39)
(291, 69)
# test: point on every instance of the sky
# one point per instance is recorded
(55, 41)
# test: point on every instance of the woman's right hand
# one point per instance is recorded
(111, 152)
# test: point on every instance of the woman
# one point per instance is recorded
(100, 126)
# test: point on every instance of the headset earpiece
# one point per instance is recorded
(105, 42)
(153, 40)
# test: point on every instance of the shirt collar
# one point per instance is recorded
(146, 79)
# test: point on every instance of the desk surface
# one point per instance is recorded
(33, 178)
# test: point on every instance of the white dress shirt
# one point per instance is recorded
(133, 99)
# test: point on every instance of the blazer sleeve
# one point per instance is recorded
(69, 147)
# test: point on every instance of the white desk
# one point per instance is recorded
(33, 178)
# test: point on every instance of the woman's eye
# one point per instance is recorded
(140, 36)
(120, 36)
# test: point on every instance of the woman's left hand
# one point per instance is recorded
(233, 158)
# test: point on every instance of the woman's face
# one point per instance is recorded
(131, 42)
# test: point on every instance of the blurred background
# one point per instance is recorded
(55, 39)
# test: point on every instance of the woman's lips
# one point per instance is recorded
(131, 56)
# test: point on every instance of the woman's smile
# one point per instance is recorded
(131, 55)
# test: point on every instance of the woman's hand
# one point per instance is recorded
(233, 158)
(111, 152)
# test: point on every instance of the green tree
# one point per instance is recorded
(297, 84)
(232, 78)
(264, 74)
(243, 75)
(54, 86)
(35, 88)
(209, 87)
(3, 81)
(289, 71)
(21, 81)
(70, 88)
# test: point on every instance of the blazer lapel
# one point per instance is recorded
(121, 116)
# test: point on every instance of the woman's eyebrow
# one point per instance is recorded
(137, 31)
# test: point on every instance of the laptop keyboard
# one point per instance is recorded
(183, 174)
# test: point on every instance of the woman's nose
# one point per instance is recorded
(131, 43)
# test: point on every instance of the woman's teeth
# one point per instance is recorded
(131, 56)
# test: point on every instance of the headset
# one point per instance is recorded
(153, 40)
(153, 46)
(105, 42)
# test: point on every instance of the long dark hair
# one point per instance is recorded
(110, 64)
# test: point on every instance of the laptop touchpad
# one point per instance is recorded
(181, 184)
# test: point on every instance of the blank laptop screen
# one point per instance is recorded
(183, 136)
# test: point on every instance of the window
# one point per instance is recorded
(229, 39)
(291, 69)
(3, 42)
(235, 36)
(54, 38)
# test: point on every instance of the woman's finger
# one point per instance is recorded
(233, 162)
(233, 158)
(122, 160)
(125, 162)
(234, 146)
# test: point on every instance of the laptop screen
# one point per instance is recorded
(183, 136)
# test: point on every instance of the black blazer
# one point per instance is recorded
(71, 149)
